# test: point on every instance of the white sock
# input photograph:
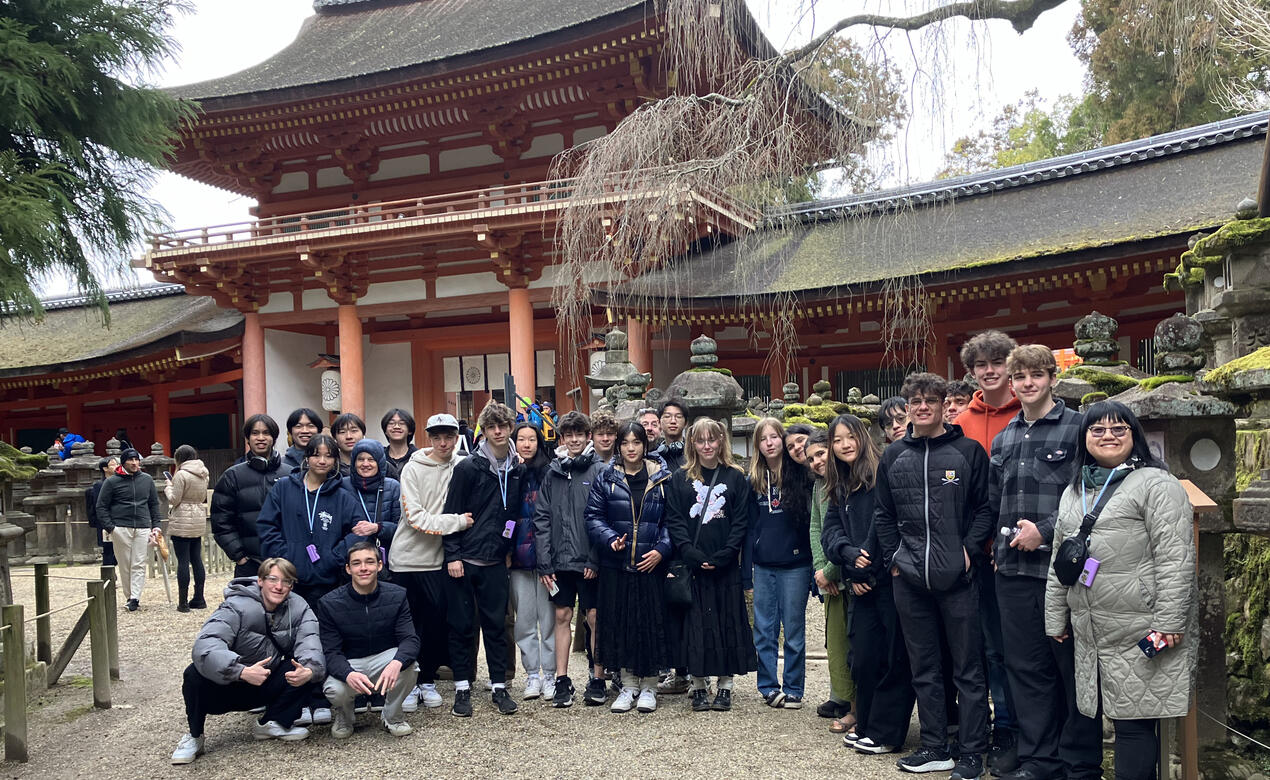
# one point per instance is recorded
(499, 686)
(462, 685)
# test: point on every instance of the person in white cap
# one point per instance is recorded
(417, 559)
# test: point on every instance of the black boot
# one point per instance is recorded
(182, 605)
(197, 602)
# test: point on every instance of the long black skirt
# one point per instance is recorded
(630, 622)
(716, 630)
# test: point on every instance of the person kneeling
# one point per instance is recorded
(259, 648)
(370, 643)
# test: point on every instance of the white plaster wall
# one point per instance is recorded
(316, 299)
(388, 386)
(393, 292)
(397, 167)
(289, 382)
(467, 157)
(545, 146)
(470, 284)
(294, 181)
(332, 177)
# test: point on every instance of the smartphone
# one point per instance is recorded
(167, 475)
(1088, 573)
(554, 589)
(1153, 644)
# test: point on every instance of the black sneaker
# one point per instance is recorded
(774, 698)
(792, 703)
(503, 700)
(700, 700)
(198, 603)
(833, 709)
(1003, 757)
(462, 704)
(926, 760)
(596, 692)
(133, 605)
(969, 767)
(722, 700)
(564, 692)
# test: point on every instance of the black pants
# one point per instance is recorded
(1137, 748)
(1080, 737)
(282, 701)
(879, 667)
(249, 569)
(107, 551)
(189, 555)
(921, 613)
(426, 594)
(480, 592)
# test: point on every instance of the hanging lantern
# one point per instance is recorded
(331, 397)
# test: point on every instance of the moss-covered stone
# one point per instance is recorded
(1092, 398)
(1224, 374)
(821, 414)
(711, 369)
(17, 465)
(797, 420)
(1153, 382)
(1252, 454)
(1232, 235)
(1183, 277)
(1105, 381)
(1247, 559)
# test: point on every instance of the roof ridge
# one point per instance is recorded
(113, 296)
(1127, 152)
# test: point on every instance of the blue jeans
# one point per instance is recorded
(780, 599)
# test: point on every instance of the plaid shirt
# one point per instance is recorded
(1030, 467)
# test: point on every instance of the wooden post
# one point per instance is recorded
(520, 317)
(14, 684)
(97, 635)
(254, 395)
(352, 381)
(43, 626)
(112, 618)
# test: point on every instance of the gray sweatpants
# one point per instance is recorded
(341, 695)
(535, 622)
(131, 546)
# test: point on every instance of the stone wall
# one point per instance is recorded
(1247, 560)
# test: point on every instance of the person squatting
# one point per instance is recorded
(931, 544)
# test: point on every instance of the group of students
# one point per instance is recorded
(933, 558)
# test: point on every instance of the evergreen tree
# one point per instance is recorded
(79, 139)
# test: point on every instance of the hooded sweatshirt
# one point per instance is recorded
(425, 483)
(982, 422)
(378, 497)
(490, 489)
(187, 497)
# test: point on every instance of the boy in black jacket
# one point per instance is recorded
(488, 486)
(932, 519)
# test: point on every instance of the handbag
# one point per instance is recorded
(679, 574)
(1070, 558)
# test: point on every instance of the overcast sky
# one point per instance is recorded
(980, 75)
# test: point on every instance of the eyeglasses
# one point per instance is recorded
(274, 579)
(931, 401)
(1098, 431)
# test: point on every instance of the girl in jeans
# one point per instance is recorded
(187, 522)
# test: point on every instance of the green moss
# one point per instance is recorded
(1183, 277)
(1247, 563)
(1223, 374)
(711, 369)
(1153, 382)
(1232, 235)
(1111, 384)
(1092, 398)
(796, 420)
(821, 414)
(1252, 454)
(17, 465)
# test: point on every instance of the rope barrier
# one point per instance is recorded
(59, 609)
(61, 577)
(1234, 730)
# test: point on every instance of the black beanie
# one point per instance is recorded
(129, 454)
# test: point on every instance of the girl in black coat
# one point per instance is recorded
(709, 503)
(626, 520)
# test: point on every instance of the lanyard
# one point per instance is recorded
(311, 512)
(1084, 507)
(503, 475)
(366, 512)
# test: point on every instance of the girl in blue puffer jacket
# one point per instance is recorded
(535, 621)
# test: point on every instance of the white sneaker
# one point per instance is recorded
(342, 726)
(398, 729)
(188, 749)
(273, 730)
(533, 687)
(647, 700)
(321, 716)
(305, 719)
(411, 702)
(428, 695)
(624, 701)
(548, 687)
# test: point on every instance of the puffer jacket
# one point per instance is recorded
(1145, 582)
(610, 514)
(560, 529)
(236, 635)
(129, 501)
(524, 550)
(357, 626)
(187, 499)
(378, 498)
(932, 502)
(475, 488)
(236, 501)
(285, 533)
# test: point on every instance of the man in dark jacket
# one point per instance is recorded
(128, 510)
(260, 648)
(369, 641)
(932, 520)
(488, 486)
(566, 559)
(241, 491)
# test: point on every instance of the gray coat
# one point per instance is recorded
(236, 635)
(1146, 581)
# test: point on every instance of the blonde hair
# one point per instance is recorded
(706, 428)
(1030, 357)
(760, 473)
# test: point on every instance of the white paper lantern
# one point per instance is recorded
(331, 396)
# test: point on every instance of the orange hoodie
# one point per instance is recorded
(982, 422)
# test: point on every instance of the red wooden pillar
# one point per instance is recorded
(639, 345)
(425, 405)
(520, 316)
(162, 424)
(352, 381)
(254, 398)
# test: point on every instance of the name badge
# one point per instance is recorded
(509, 529)
(313, 553)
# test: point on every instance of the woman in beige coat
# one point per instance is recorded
(186, 492)
(1144, 585)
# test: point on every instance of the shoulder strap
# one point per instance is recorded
(1087, 522)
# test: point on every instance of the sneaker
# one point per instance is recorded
(133, 605)
(969, 767)
(774, 698)
(198, 603)
(564, 692)
(867, 745)
(833, 709)
(361, 704)
(274, 730)
(188, 749)
(700, 700)
(548, 687)
(321, 716)
(411, 702)
(625, 700)
(428, 695)
(1003, 756)
(850, 738)
(462, 704)
(503, 700)
(398, 729)
(596, 692)
(926, 760)
(673, 684)
(342, 726)
(533, 687)
(615, 684)
(722, 700)
(793, 703)
(305, 719)
(647, 700)
(376, 703)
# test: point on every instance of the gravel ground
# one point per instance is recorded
(134, 739)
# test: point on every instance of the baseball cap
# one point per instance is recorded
(441, 421)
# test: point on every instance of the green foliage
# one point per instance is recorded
(1105, 381)
(1025, 132)
(1150, 383)
(78, 139)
